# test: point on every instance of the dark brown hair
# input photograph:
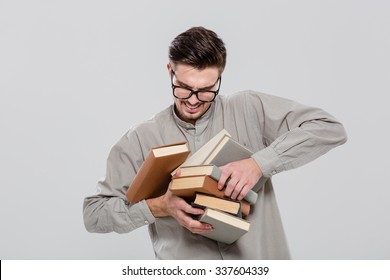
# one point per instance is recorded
(198, 47)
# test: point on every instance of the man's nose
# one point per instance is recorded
(194, 98)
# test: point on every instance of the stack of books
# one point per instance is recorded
(197, 182)
(227, 228)
(199, 186)
(204, 179)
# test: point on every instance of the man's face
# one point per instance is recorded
(191, 109)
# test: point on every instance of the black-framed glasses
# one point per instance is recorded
(203, 95)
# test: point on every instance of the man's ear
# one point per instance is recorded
(169, 67)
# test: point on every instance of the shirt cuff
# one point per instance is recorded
(269, 161)
(141, 215)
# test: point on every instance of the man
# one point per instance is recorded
(283, 135)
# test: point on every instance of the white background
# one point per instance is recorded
(76, 75)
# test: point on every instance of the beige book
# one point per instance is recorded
(196, 170)
(203, 200)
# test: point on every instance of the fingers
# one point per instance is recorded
(194, 225)
(244, 192)
(192, 210)
(224, 178)
(232, 181)
(236, 189)
(184, 212)
(177, 173)
(239, 178)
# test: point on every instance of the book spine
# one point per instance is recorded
(245, 208)
(251, 197)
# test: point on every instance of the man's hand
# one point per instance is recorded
(176, 207)
(239, 177)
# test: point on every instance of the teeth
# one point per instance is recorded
(192, 107)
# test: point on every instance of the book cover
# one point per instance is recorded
(154, 175)
(200, 155)
(227, 150)
(203, 200)
(226, 227)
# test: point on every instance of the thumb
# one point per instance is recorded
(177, 173)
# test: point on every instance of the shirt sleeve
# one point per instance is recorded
(294, 134)
(108, 210)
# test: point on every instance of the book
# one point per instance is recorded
(187, 187)
(203, 200)
(226, 227)
(226, 151)
(195, 170)
(154, 175)
(198, 158)
(219, 150)
(214, 172)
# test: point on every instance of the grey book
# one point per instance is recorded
(226, 227)
(227, 150)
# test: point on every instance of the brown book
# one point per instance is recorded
(203, 200)
(226, 227)
(154, 175)
(187, 187)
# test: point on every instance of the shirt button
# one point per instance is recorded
(146, 222)
(273, 172)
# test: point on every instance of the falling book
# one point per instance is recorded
(154, 175)
(199, 157)
(219, 150)
(226, 227)
(203, 200)
(226, 151)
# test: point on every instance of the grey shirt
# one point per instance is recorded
(283, 135)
